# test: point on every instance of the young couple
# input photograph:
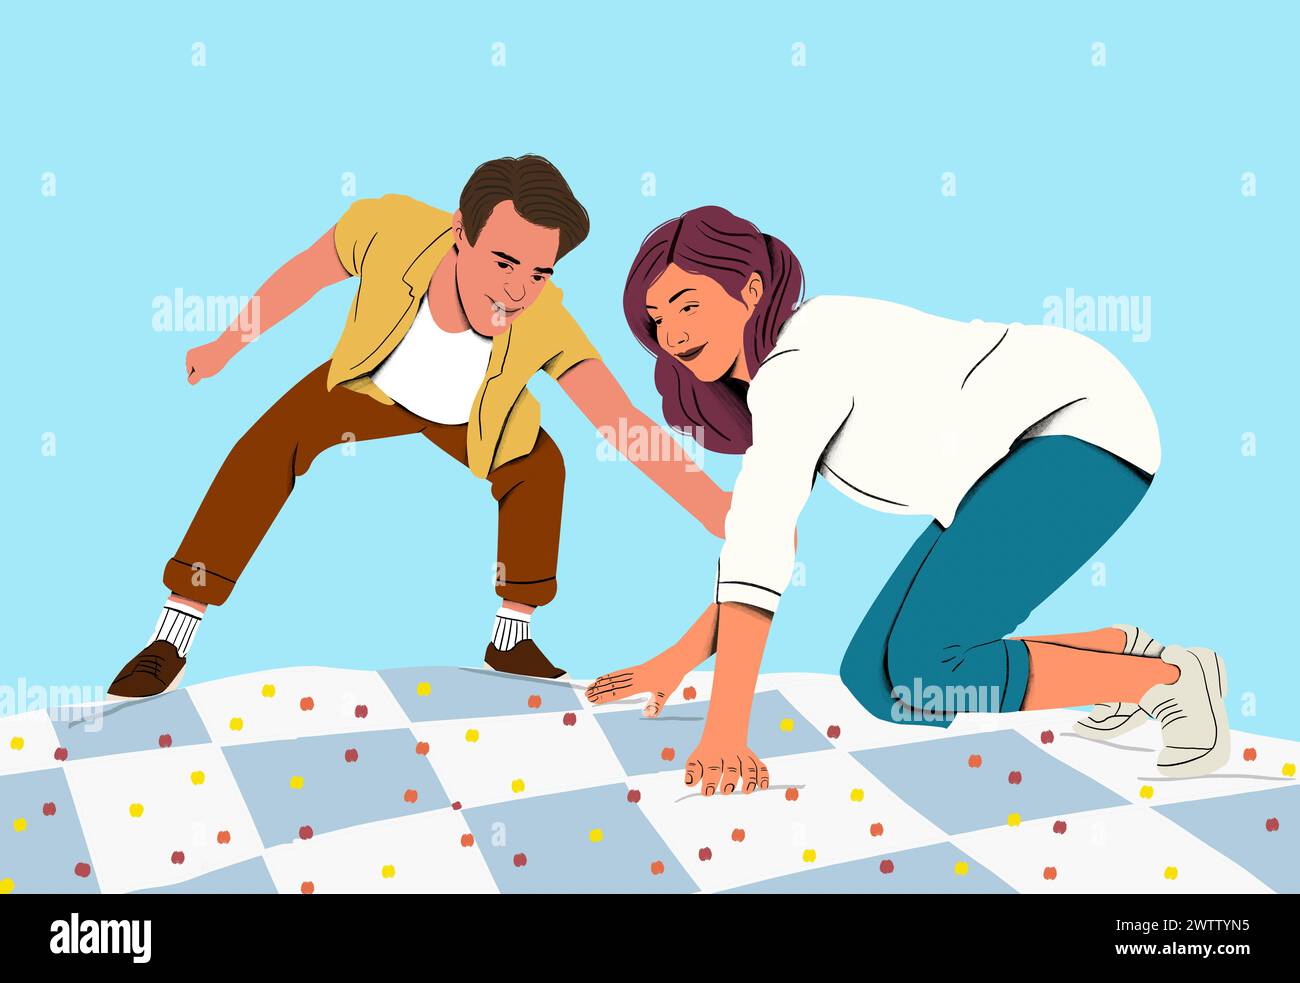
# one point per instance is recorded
(1029, 446)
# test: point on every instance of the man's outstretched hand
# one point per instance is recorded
(205, 361)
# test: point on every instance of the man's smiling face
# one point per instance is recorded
(504, 269)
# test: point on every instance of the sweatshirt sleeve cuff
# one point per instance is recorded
(738, 592)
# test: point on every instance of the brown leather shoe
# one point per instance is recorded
(522, 659)
(156, 670)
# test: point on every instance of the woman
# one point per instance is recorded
(1029, 446)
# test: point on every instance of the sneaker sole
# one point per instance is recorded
(563, 675)
(1084, 727)
(1203, 761)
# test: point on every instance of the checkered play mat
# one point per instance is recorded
(442, 779)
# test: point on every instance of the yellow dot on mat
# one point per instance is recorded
(236, 723)
(787, 725)
(809, 856)
(1171, 873)
(17, 744)
(7, 886)
(295, 781)
(20, 824)
(389, 871)
(1288, 770)
(471, 735)
(136, 810)
(197, 777)
(595, 836)
(517, 785)
(857, 795)
(268, 691)
(961, 868)
(423, 689)
(1013, 819)
(1146, 791)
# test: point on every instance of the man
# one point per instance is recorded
(453, 315)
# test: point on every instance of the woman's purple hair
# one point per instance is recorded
(713, 242)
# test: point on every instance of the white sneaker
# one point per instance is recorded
(1192, 714)
(1109, 720)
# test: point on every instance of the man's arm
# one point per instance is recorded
(287, 289)
(596, 392)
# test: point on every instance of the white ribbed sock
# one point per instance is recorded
(510, 629)
(177, 624)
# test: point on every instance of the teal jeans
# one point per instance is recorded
(934, 642)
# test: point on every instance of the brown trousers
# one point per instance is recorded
(260, 471)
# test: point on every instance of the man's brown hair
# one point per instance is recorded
(539, 193)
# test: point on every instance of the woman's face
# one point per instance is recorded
(701, 325)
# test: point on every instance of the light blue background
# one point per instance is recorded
(1117, 180)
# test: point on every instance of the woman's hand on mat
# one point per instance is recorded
(725, 766)
(205, 361)
(659, 677)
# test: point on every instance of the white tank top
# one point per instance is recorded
(435, 373)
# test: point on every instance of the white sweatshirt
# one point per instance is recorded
(903, 412)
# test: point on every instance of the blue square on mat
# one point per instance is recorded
(1235, 825)
(248, 877)
(935, 778)
(335, 793)
(554, 833)
(923, 870)
(458, 693)
(639, 741)
(131, 725)
(43, 857)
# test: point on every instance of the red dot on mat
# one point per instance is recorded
(49, 809)
(657, 868)
(706, 853)
(877, 829)
(308, 887)
(1047, 737)
(305, 832)
(61, 754)
(350, 755)
(634, 795)
(178, 857)
(1049, 873)
(1249, 754)
(520, 859)
(362, 711)
(886, 866)
(165, 740)
(82, 869)
(1271, 825)
(833, 732)
(456, 806)
(738, 835)
(570, 719)
(668, 754)
(223, 837)
(467, 839)
(974, 761)
(1014, 778)
(534, 701)
(422, 747)
(1058, 826)
(792, 795)
(688, 693)
(306, 703)
(411, 795)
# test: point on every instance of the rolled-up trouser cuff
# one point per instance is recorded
(535, 593)
(1013, 696)
(196, 583)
